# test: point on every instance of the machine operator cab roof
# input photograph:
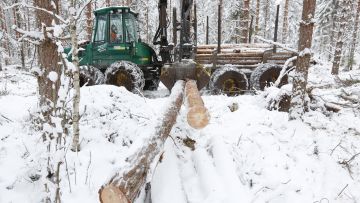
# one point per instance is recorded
(115, 25)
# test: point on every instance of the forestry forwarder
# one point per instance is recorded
(116, 55)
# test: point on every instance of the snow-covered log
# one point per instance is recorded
(124, 187)
(198, 116)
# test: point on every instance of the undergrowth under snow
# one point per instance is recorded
(246, 154)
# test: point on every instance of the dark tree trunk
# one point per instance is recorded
(244, 21)
(257, 21)
(342, 17)
(89, 21)
(48, 61)
(335, 4)
(298, 104)
(354, 38)
(19, 23)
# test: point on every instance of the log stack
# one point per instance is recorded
(241, 55)
(197, 116)
(125, 186)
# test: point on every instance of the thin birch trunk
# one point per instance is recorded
(333, 28)
(76, 75)
(266, 18)
(285, 22)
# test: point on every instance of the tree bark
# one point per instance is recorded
(198, 116)
(354, 38)
(266, 18)
(298, 104)
(334, 19)
(48, 61)
(19, 23)
(2, 26)
(342, 16)
(257, 29)
(89, 21)
(124, 187)
(285, 22)
(244, 21)
(76, 75)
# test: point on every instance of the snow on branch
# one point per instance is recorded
(23, 4)
(81, 10)
(284, 70)
(35, 35)
(276, 44)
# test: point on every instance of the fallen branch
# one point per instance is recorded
(284, 70)
(8, 120)
(277, 44)
(124, 187)
(343, 190)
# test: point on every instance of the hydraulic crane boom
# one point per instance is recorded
(185, 48)
(160, 37)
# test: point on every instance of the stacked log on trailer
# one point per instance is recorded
(241, 55)
(238, 68)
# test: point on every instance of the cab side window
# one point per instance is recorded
(100, 32)
(130, 28)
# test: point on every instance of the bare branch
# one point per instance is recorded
(284, 70)
(23, 4)
(34, 35)
(81, 10)
(29, 40)
(277, 44)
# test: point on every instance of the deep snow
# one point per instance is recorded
(249, 155)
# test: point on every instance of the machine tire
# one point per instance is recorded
(229, 80)
(89, 76)
(127, 74)
(264, 75)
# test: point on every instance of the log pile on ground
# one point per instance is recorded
(197, 116)
(124, 187)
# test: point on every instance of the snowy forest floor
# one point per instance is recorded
(246, 154)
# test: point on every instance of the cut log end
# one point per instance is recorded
(198, 117)
(112, 194)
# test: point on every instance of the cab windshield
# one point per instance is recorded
(123, 28)
(116, 27)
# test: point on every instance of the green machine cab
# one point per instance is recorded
(115, 55)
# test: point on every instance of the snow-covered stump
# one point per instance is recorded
(124, 187)
(197, 116)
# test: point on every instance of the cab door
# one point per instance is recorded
(100, 41)
(118, 48)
